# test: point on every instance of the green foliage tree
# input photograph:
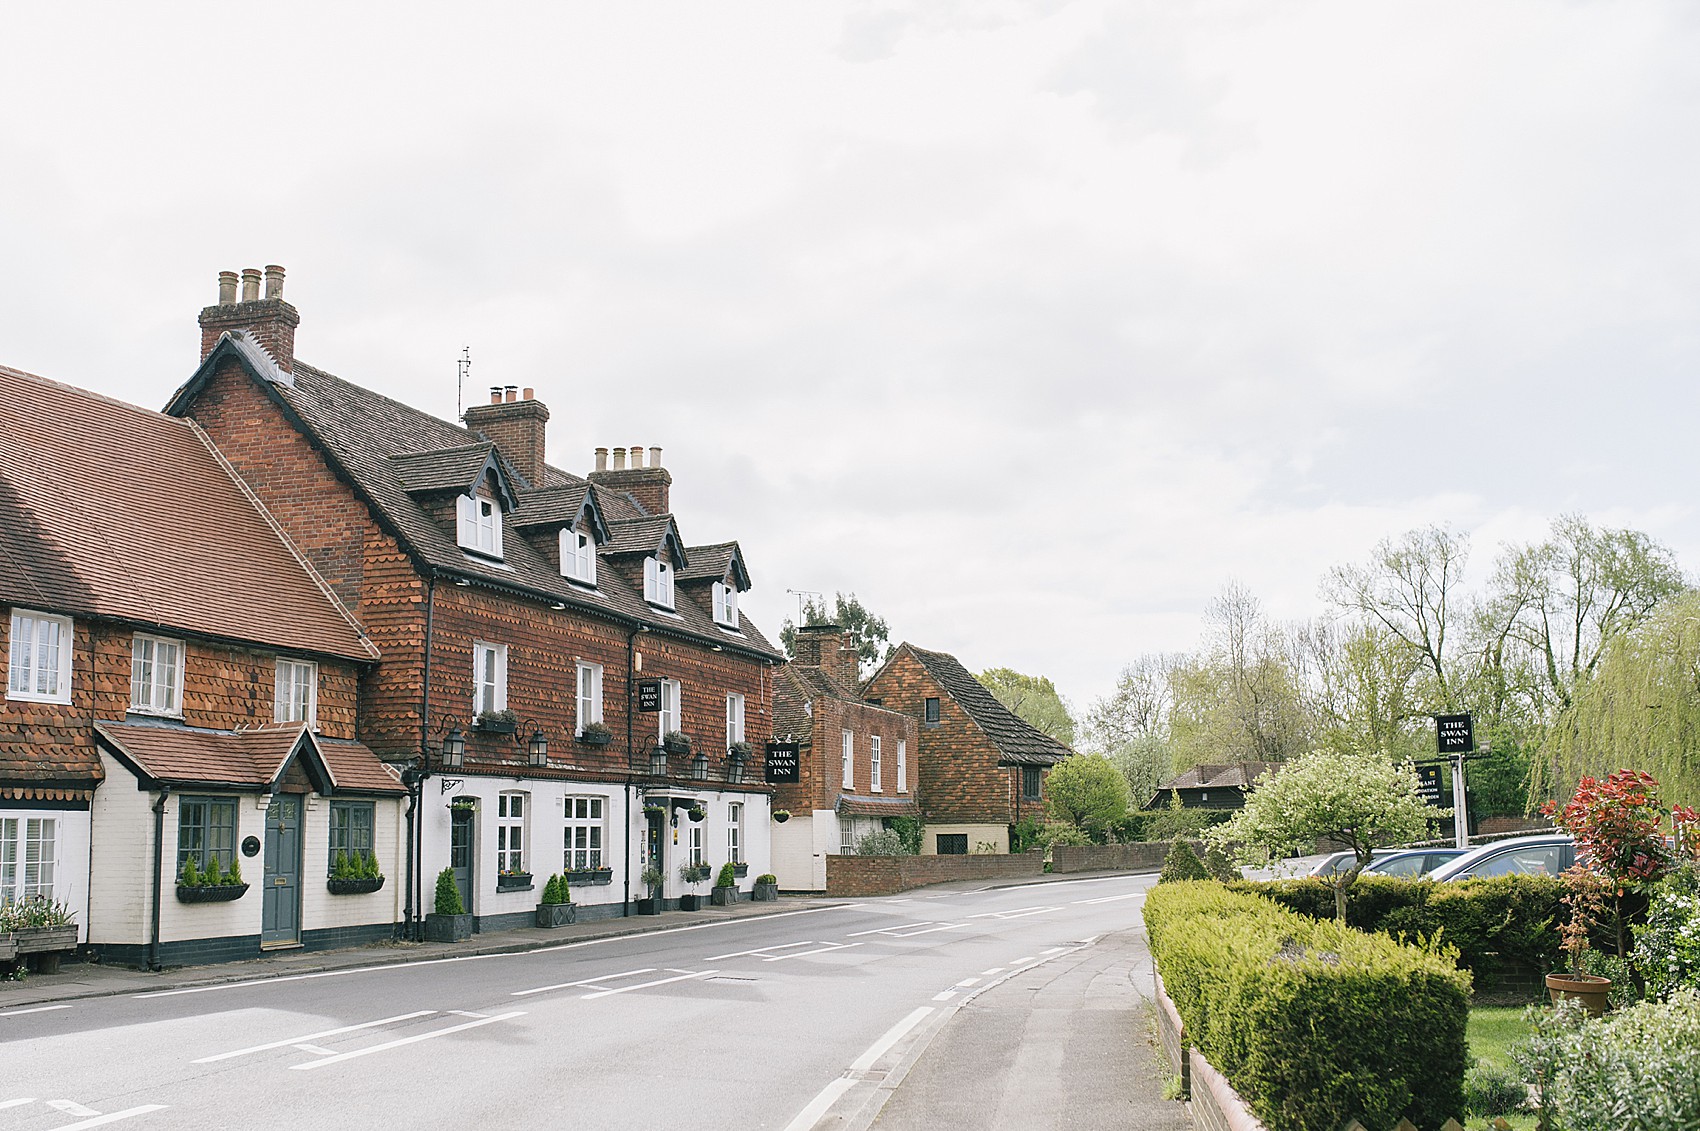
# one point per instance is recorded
(870, 633)
(1087, 792)
(1033, 699)
(1359, 801)
(1182, 863)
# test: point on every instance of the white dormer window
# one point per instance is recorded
(658, 582)
(578, 556)
(40, 665)
(156, 675)
(479, 528)
(725, 604)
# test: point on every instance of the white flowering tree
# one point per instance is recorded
(1362, 802)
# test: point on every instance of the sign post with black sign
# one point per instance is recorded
(1455, 737)
(649, 696)
(783, 764)
(1428, 785)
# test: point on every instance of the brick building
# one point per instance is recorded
(981, 767)
(855, 768)
(541, 632)
(180, 685)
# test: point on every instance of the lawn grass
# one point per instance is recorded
(1491, 1032)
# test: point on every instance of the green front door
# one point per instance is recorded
(280, 911)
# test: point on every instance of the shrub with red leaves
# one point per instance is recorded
(1617, 825)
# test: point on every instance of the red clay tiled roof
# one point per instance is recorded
(47, 766)
(1019, 743)
(111, 510)
(250, 759)
(860, 805)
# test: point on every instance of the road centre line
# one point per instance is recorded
(883, 930)
(1054, 950)
(583, 982)
(824, 948)
(316, 1050)
(1018, 913)
(34, 1009)
(945, 996)
(315, 1036)
(966, 982)
(993, 970)
(1062, 883)
(1110, 898)
(647, 985)
(1029, 958)
(71, 1107)
(415, 1039)
(4, 1104)
(757, 950)
(102, 1120)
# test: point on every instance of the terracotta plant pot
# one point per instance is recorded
(1589, 989)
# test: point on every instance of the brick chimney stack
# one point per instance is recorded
(270, 320)
(828, 647)
(651, 486)
(514, 423)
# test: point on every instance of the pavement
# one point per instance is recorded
(1054, 1048)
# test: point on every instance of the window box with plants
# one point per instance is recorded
(596, 734)
(215, 885)
(449, 920)
(38, 926)
(652, 880)
(497, 722)
(355, 875)
(766, 889)
(740, 868)
(513, 880)
(676, 742)
(593, 876)
(725, 890)
(556, 908)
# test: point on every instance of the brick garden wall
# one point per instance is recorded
(1146, 856)
(887, 875)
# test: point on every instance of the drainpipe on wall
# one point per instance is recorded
(158, 863)
(631, 704)
(416, 819)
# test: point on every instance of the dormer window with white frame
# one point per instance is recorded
(578, 556)
(658, 581)
(156, 675)
(725, 604)
(39, 667)
(478, 525)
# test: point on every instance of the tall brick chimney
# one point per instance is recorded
(651, 486)
(828, 647)
(270, 320)
(514, 423)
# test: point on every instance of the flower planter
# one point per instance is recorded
(596, 739)
(362, 886)
(514, 881)
(215, 893)
(592, 876)
(764, 893)
(723, 897)
(38, 940)
(8, 948)
(1589, 989)
(691, 902)
(447, 928)
(648, 906)
(740, 870)
(556, 914)
(496, 726)
(780, 816)
(675, 746)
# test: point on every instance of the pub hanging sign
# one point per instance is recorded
(1455, 734)
(649, 696)
(782, 762)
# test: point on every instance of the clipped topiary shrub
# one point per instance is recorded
(1313, 1023)
(728, 876)
(1182, 863)
(448, 896)
(1216, 863)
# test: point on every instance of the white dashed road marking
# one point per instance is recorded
(646, 985)
(594, 983)
(413, 1040)
(72, 1107)
(35, 1009)
(1018, 913)
(103, 1120)
(310, 1037)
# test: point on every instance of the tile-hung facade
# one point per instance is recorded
(520, 609)
(982, 767)
(857, 765)
(179, 687)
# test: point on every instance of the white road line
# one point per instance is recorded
(829, 1095)
(413, 1040)
(818, 950)
(946, 996)
(892, 1035)
(993, 970)
(36, 1009)
(647, 985)
(1029, 958)
(1018, 913)
(758, 950)
(464, 1013)
(102, 1120)
(1110, 898)
(818, 1106)
(71, 1107)
(4, 1104)
(316, 1050)
(1054, 950)
(315, 1036)
(928, 930)
(584, 982)
(883, 930)
(966, 982)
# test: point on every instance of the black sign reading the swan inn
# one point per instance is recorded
(782, 762)
(649, 695)
(1455, 734)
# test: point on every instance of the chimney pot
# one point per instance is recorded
(250, 284)
(619, 459)
(512, 392)
(525, 394)
(655, 457)
(637, 455)
(274, 281)
(227, 281)
(602, 459)
(495, 394)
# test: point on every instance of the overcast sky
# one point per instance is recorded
(1033, 324)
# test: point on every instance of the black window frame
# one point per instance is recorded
(346, 838)
(930, 711)
(951, 844)
(1032, 783)
(202, 835)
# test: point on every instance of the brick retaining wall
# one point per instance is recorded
(888, 875)
(1146, 856)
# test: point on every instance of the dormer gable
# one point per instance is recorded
(719, 569)
(474, 478)
(655, 541)
(568, 527)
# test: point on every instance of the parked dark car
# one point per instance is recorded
(1544, 854)
(1413, 863)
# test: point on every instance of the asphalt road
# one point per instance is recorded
(786, 1021)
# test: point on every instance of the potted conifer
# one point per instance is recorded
(766, 888)
(556, 908)
(449, 921)
(725, 891)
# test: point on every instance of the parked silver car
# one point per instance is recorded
(1413, 863)
(1544, 854)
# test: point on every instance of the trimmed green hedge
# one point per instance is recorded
(1505, 927)
(1313, 1023)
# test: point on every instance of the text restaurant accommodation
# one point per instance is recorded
(180, 688)
(855, 768)
(982, 767)
(541, 632)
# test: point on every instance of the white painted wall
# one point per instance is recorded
(995, 835)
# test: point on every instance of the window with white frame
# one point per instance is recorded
(874, 763)
(478, 525)
(589, 695)
(735, 832)
(156, 675)
(696, 845)
(669, 714)
(297, 692)
(27, 855)
(725, 604)
(489, 677)
(734, 719)
(847, 836)
(849, 760)
(578, 556)
(40, 665)
(510, 832)
(586, 833)
(903, 765)
(658, 581)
